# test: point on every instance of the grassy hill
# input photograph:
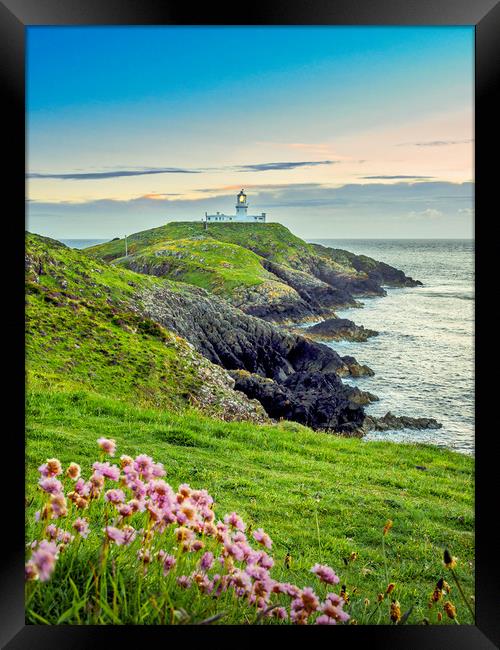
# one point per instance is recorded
(320, 497)
(84, 330)
(270, 240)
(97, 367)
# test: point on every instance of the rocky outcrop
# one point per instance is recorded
(370, 276)
(390, 422)
(292, 377)
(316, 399)
(320, 296)
(338, 329)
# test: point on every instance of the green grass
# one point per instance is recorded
(270, 240)
(216, 266)
(286, 479)
(84, 329)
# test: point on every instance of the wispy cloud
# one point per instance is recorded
(380, 178)
(119, 173)
(274, 166)
(435, 143)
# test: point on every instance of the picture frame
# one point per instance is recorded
(15, 16)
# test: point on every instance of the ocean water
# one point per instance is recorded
(82, 243)
(423, 357)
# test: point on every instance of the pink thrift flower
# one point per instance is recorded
(51, 531)
(105, 469)
(129, 534)
(108, 445)
(325, 574)
(144, 465)
(30, 571)
(184, 582)
(125, 509)
(168, 562)
(235, 521)
(50, 485)
(263, 538)
(74, 470)
(158, 470)
(309, 599)
(44, 559)
(115, 535)
(114, 496)
(81, 525)
(52, 467)
(279, 612)
(334, 612)
(207, 561)
(325, 620)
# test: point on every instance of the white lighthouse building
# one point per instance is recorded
(241, 213)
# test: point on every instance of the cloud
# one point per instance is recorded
(395, 177)
(428, 213)
(119, 173)
(435, 143)
(274, 166)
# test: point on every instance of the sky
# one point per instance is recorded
(336, 132)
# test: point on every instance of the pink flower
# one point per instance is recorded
(125, 509)
(207, 561)
(52, 467)
(82, 488)
(279, 612)
(74, 470)
(58, 505)
(235, 521)
(50, 485)
(107, 470)
(263, 538)
(108, 445)
(184, 582)
(332, 607)
(44, 559)
(115, 535)
(309, 599)
(30, 571)
(144, 465)
(129, 534)
(325, 620)
(81, 525)
(325, 574)
(158, 470)
(114, 496)
(167, 560)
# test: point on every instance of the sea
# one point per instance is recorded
(423, 357)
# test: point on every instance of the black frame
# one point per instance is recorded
(15, 15)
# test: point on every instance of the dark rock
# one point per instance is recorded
(318, 400)
(337, 329)
(291, 376)
(390, 422)
(361, 397)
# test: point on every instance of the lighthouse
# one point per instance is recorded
(241, 213)
(241, 206)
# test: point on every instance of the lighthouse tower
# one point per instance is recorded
(241, 213)
(241, 206)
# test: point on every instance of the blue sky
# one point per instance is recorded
(130, 127)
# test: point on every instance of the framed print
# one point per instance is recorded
(248, 376)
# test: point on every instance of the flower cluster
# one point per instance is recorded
(171, 532)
